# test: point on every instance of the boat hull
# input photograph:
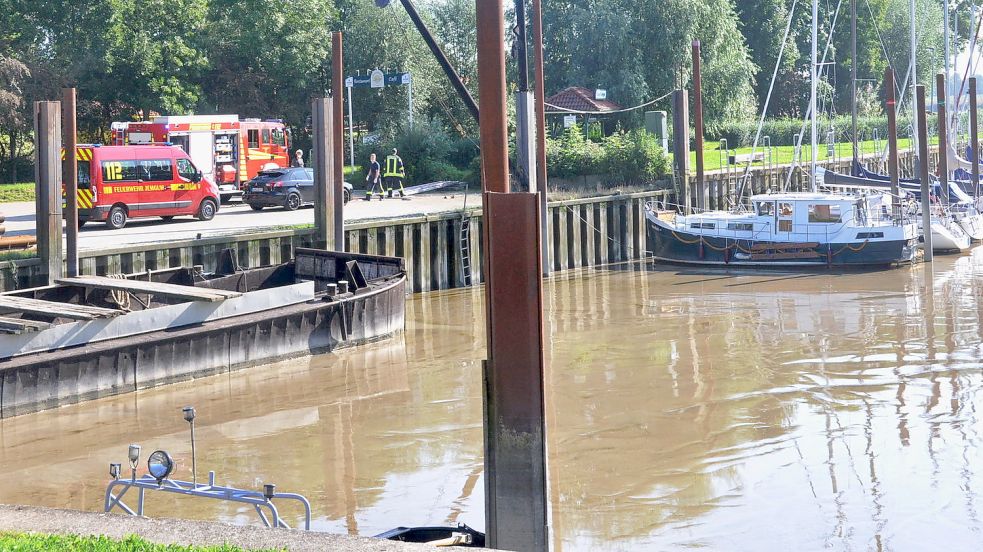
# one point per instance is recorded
(675, 246)
(48, 379)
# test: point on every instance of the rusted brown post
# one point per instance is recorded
(47, 178)
(974, 137)
(680, 147)
(70, 172)
(940, 88)
(892, 143)
(701, 193)
(338, 118)
(923, 167)
(324, 211)
(515, 452)
(539, 85)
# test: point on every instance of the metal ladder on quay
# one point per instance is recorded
(465, 249)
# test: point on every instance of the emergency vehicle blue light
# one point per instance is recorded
(168, 143)
(97, 145)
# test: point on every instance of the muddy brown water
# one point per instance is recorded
(687, 409)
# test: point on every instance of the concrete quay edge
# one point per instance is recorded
(36, 519)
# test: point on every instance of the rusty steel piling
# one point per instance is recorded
(514, 423)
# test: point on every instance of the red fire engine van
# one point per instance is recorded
(116, 183)
(229, 151)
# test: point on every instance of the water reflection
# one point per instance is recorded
(726, 410)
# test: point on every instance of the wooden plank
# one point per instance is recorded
(18, 326)
(187, 293)
(782, 246)
(10, 303)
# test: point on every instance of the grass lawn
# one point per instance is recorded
(21, 542)
(712, 156)
(23, 191)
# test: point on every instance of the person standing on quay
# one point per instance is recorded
(395, 173)
(298, 160)
(373, 178)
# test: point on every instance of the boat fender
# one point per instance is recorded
(829, 255)
(727, 255)
(701, 249)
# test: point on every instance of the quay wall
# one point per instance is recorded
(442, 251)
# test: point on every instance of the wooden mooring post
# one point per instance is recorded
(923, 167)
(338, 146)
(680, 147)
(47, 176)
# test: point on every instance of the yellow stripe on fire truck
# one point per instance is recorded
(83, 197)
(81, 154)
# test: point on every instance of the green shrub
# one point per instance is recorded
(429, 154)
(633, 157)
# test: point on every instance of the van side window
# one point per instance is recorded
(84, 178)
(120, 171)
(157, 170)
(253, 137)
(266, 136)
(278, 138)
(185, 169)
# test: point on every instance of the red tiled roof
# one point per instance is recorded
(579, 99)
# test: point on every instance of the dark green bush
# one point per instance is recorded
(633, 157)
(429, 154)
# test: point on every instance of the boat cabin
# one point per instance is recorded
(791, 215)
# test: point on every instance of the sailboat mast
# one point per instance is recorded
(945, 34)
(853, 79)
(812, 94)
(914, 82)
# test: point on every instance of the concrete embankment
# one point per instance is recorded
(31, 519)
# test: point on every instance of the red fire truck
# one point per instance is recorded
(228, 150)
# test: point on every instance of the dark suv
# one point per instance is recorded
(289, 188)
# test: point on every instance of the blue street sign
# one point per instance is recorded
(389, 79)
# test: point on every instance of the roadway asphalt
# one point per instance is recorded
(237, 218)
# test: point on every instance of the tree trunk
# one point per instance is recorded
(13, 156)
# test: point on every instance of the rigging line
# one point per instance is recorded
(802, 130)
(880, 39)
(563, 110)
(764, 110)
(962, 84)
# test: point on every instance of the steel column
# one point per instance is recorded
(923, 166)
(941, 90)
(324, 201)
(48, 178)
(539, 83)
(70, 173)
(338, 143)
(974, 137)
(701, 192)
(515, 456)
(892, 142)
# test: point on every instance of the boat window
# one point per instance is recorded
(785, 226)
(766, 208)
(702, 225)
(784, 209)
(740, 226)
(869, 235)
(824, 213)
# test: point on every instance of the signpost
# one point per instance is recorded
(375, 79)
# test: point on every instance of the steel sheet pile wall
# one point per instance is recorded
(582, 232)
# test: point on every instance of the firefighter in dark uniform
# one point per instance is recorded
(373, 178)
(395, 173)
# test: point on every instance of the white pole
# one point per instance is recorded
(812, 94)
(410, 91)
(351, 129)
(914, 81)
(948, 87)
